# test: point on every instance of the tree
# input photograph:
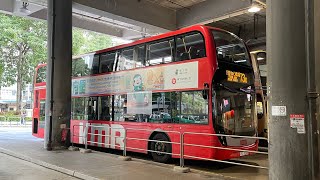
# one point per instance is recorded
(22, 47)
(87, 41)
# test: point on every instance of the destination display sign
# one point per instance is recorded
(237, 77)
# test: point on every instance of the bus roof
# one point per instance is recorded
(158, 37)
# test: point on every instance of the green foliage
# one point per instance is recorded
(86, 41)
(23, 45)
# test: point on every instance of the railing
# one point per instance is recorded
(13, 121)
(181, 143)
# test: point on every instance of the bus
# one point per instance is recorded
(197, 82)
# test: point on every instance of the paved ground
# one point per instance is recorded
(108, 166)
(12, 168)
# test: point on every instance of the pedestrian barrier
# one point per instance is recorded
(13, 121)
(181, 143)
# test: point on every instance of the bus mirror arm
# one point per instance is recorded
(205, 91)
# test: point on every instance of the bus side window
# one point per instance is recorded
(160, 52)
(139, 55)
(91, 108)
(105, 108)
(77, 108)
(107, 61)
(95, 64)
(125, 60)
(41, 74)
(85, 65)
(190, 46)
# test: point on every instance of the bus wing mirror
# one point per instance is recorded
(205, 91)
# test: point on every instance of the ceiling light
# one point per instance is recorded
(254, 9)
(260, 58)
(24, 8)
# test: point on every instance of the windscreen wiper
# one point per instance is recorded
(235, 90)
(227, 88)
(247, 90)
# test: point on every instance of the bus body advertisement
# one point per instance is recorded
(197, 80)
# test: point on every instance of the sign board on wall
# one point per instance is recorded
(297, 121)
(279, 110)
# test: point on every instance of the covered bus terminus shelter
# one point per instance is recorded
(294, 61)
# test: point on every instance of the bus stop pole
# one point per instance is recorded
(58, 79)
(291, 146)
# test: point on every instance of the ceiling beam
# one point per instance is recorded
(138, 12)
(205, 12)
(84, 23)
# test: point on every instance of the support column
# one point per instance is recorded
(291, 154)
(58, 87)
(317, 57)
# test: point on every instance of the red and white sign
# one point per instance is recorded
(297, 121)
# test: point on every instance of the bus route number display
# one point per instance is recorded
(237, 77)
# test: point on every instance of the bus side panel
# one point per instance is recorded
(38, 123)
(193, 142)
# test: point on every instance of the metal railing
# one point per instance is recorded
(181, 143)
(14, 121)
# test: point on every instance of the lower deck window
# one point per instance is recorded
(144, 106)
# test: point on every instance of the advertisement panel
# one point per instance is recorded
(174, 76)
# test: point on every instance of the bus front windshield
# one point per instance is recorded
(233, 93)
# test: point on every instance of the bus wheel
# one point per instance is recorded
(160, 147)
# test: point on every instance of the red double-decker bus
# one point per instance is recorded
(194, 81)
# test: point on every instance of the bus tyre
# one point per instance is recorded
(160, 147)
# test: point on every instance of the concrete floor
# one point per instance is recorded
(108, 166)
(12, 168)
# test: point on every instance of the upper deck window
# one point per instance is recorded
(41, 74)
(230, 48)
(107, 61)
(85, 65)
(190, 46)
(130, 58)
(160, 52)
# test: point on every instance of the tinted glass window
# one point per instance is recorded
(42, 114)
(233, 111)
(139, 56)
(36, 103)
(84, 108)
(120, 108)
(85, 65)
(192, 108)
(160, 52)
(230, 48)
(125, 60)
(107, 62)
(41, 74)
(190, 46)
(105, 108)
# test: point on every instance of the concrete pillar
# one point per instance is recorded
(289, 152)
(317, 57)
(58, 95)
